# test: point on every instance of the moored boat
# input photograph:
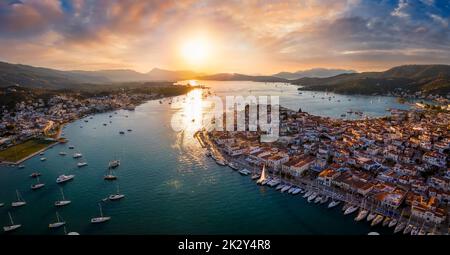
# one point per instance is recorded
(233, 166)
(20, 202)
(64, 178)
(312, 197)
(58, 222)
(400, 226)
(100, 219)
(361, 215)
(81, 164)
(350, 210)
(408, 229)
(35, 175)
(333, 203)
(11, 227)
(371, 216)
(244, 172)
(62, 202)
(378, 219)
(38, 185)
(285, 188)
(386, 221)
(392, 223)
(77, 155)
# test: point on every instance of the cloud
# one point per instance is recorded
(248, 36)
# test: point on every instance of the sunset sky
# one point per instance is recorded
(252, 37)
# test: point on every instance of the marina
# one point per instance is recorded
(158, 164)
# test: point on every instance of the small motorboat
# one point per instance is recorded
(312, 197)
(81, 164)
(35, 175)
(62, 153)
(244, 172)
(71, 147)
(43, 159)
(21, 166)
(233, 166)
(77, 155)
(318, 199)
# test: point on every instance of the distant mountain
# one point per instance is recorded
(157, 74)
(241, 77)
(38, 77)
(119, 75)
(431, 79)
(312, 73)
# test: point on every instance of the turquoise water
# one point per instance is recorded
(170, 186)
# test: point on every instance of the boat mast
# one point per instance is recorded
(62, 193)
(101, 211)
(11, 219)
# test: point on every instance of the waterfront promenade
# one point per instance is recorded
(310, 184)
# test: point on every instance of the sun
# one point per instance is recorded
(195, 51)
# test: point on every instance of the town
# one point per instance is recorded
(394, 169)
(41, 118)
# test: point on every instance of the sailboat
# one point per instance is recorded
(110, 176)
(117, 196)
(12, 226)
(58, 223)
(38, 185)
(19, 202)
(62, 202)
(100, 219)
(263, 175)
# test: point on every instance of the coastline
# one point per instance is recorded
(58, 138)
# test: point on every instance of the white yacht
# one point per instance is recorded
(296, 191)
(77, 155)
(38, 185)
(245, 172)
(333, 203)
(318, 199)
(324, 199)
(291, 190)
(62, 202)
(307, 194)
(64, 178)
(81, 164)
(371, 216)
(408, 229)
(350, 210)
(58, 223)
(233, 166)
(400, 226)
(11, 227)
(20, 202)
(415, 231)
(392, 223)
(285, 188)
(62, 153)
(378, 219)
(100, 219)
(361, 215)
(43, 159)
(280, 186)
(312, 197)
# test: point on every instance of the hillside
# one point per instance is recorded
(430, 79)
(38, 77)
